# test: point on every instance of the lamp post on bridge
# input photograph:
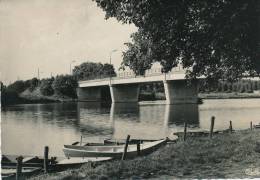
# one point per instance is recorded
(70, 65)
(110, 61)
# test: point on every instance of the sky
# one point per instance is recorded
(51, 34)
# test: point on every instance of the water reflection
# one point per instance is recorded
(178, 114)
(124, 111)
(93, 119)
(26, 129)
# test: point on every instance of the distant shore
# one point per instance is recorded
(228, 95)
(147, 98)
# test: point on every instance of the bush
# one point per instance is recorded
(33, 83)
(90, 70)
(17, 86)
(8, 96)
(46, 87)
(65, 85)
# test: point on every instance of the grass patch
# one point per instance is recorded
(223, 156)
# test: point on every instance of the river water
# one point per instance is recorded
(27, 128)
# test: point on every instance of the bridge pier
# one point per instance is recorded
(124, 93)
(89, 94)
(180, 92)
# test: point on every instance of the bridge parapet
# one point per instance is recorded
(131, 74)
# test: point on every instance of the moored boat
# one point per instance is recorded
(113, 151)
(34, 164)
(131, 141)
(257, 126)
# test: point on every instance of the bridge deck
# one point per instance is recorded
(176, 75)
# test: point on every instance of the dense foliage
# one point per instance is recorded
(218, 39)
(18, 86)
(241, 86)
(9, 95)
(137, 57)
(46, 86)
(33, 83)
(90, 70)
(65, 85)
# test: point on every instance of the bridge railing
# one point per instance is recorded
(131, 74)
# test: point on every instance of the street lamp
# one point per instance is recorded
(71, 64)
(115, 50)
(39, 72)
(110, 61)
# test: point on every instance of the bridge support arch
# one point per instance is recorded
(180, 92)
(124, 93)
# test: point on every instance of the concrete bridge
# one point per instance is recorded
(125, 87)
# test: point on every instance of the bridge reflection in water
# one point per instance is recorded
(56, 124)
(140, 121)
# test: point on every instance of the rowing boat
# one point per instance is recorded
(122, 141)
(113, 151)
(32, 164)
(257, 126)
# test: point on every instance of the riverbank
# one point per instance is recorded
(224, 156)
(228, 95)
(213, 95)
(36, 97)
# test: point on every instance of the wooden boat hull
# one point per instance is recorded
(256, 126)
(33, 164)
(111, 151)
(122, 141)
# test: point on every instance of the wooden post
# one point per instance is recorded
(80, 140)
(19, 167)
(251, 125)
(138, 148)
(212, 126)
(230, 126)
(185, 131)
(125, 149)
(45, 160)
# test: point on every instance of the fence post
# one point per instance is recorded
(80, 140)
(230, 126)
(251, 125)
(185, 131)
(125, 149)
(45, 160)
(212, 126)
(138, 148)
(19, 167)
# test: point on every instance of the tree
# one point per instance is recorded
(137, 57)
(108, 70)
(46, 86)
(8, 95)
(31, 84)
(90, 70)
(65, 85)
(17, 86)
(218, 39)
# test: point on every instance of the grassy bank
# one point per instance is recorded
(37, 95)
(223, 156)
(232, 95)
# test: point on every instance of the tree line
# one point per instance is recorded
(61, 85)
(65, 85)
(241, 86)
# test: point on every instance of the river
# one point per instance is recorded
(27, 128)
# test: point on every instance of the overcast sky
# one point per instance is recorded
(49, 34)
